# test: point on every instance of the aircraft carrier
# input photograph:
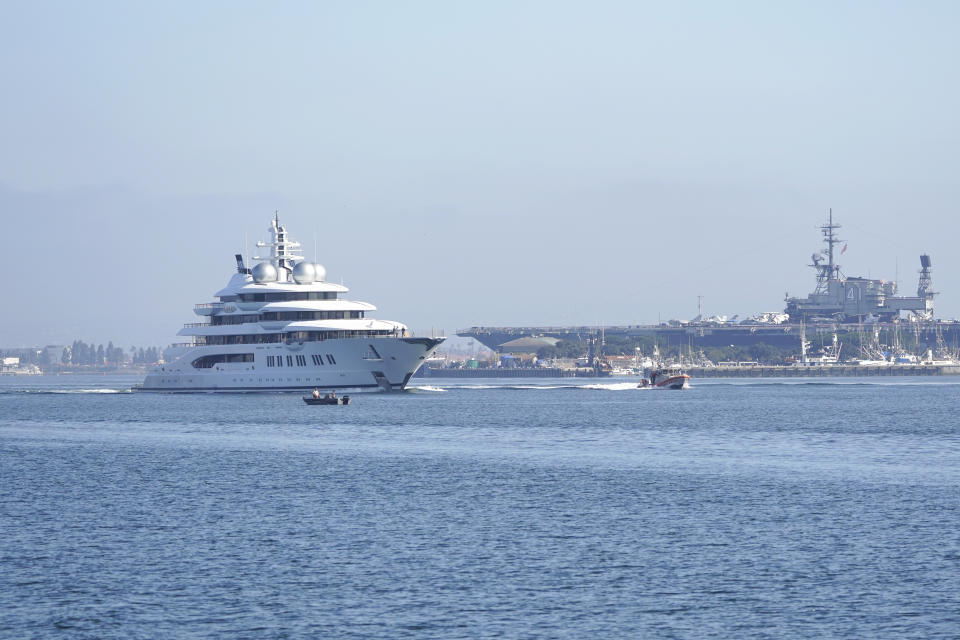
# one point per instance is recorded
(843, 299)
(838, 304)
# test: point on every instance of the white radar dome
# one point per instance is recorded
(319, 273)
(264, 272)
(304, 273)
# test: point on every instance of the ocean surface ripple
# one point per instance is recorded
(747, 509)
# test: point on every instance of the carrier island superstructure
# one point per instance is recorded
(844, 299)
(837, 303)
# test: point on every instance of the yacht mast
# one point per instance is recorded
(283, 252)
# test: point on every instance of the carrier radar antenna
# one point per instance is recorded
(925, 286)
(829, 271)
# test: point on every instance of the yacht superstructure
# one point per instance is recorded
(280, 326)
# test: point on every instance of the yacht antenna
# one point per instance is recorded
(283, 250)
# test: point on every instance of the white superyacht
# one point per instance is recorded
(279, 326)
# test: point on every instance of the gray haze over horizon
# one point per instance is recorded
(491, 163)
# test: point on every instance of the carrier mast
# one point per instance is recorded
(831, 270)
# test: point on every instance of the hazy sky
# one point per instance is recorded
(470, 163)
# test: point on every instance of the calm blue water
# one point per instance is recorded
(737, 509)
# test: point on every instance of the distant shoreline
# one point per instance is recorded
(106, 372)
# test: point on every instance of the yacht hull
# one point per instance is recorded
(355, 365)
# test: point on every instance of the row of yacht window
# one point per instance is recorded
(312, 315)
(280, 296)
(207, 362)
(285, 315)
(294, 336)
(300, 361)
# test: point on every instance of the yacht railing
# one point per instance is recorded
(194, 325)
(209, 305)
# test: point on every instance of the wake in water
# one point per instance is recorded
(61, 391)
(91, 391)
(705, 382)
(613, 386)
(616, 386)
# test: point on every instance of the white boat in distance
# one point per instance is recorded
(281, 327)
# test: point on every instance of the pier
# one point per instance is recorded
(754, 371)
(839, 370)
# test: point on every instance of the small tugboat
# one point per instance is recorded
(664, 376)
(330, 398)
(669, 377)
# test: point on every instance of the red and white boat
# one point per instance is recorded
(665, 378)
